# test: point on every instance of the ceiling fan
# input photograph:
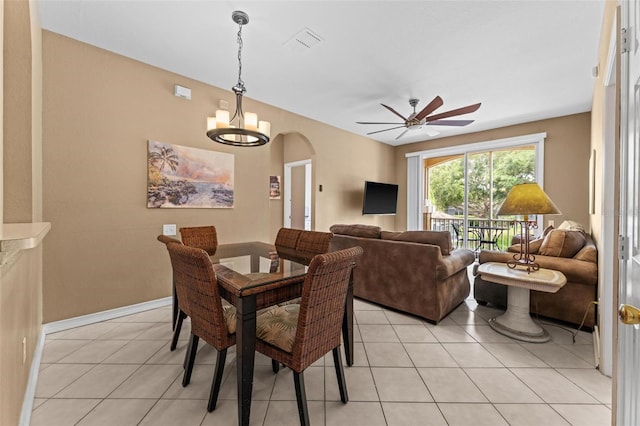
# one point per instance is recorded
(418, 119)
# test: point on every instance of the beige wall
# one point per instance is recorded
(17, 113)
(20, 191)
(566, 162)
(99, 111)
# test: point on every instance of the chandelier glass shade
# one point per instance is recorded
(243, 129)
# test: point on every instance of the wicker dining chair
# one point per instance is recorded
(307, 245)
(312, 243)
(297, 335)
(178, 315)
(286, 241)
(211, 320)
(204, 237)
(300, 245)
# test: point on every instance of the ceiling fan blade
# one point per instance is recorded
(402, 134)
(436, 103)
(392, 128)
(458, 111)
(450, 122)
(394, 111)
(372, 122)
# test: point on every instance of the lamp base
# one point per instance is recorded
(524, 258)
(529, 265)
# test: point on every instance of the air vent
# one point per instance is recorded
(304, 40)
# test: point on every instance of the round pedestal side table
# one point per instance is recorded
(516, 321)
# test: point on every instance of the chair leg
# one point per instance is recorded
(189, 359)
(342, 383)
(217, 380)
(275, 366)
(301, 397)
(176, 330)
(175, 309)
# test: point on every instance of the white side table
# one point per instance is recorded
(516, 321)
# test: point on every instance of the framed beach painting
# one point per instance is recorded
(184, 177)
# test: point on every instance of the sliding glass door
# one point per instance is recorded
(463, 190)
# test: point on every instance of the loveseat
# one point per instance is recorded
(570, 251)
(415, 271)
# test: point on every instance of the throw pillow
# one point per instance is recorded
(571, 225)
(367, 231)
(562, 243)
(534, 246)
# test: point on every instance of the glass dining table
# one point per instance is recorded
(251, 276)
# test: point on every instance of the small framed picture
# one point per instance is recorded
(274, 187)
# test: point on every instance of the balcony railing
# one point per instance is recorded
(492, 234)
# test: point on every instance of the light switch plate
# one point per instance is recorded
(551, 222)
(169, 230)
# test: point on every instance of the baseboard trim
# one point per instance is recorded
(54, 327)
(30, 391)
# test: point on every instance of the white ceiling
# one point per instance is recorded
(524, 60)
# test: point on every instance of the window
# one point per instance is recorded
(466, 185)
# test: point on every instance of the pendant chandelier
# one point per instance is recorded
(243, 129)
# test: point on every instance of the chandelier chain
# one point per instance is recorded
(240, 82)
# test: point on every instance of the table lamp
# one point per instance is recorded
(526, 199)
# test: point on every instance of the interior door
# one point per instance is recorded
(628, 393)
(297, 195)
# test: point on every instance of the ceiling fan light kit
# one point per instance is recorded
(419, 119)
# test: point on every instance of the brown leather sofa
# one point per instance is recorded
(575, 255)
(415, 271)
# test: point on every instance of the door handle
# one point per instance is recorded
(629, 314)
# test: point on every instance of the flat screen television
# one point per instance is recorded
(379, 198)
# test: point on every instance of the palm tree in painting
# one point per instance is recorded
(164, 157)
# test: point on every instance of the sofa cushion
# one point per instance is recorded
(437, 238)
(534, 246)
(367, 231)
(389, 235)
(562, 243)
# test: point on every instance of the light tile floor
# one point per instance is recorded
(406, 372)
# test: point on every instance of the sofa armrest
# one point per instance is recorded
(453, 263)
(578, 271)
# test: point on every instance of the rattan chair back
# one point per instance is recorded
(196, 279)
(286, 241)
(300, 245)
(204, 237)
(166, 240)
(322, 306)
(178, 314)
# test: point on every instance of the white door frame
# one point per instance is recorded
(307, 192)
(607, 225)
